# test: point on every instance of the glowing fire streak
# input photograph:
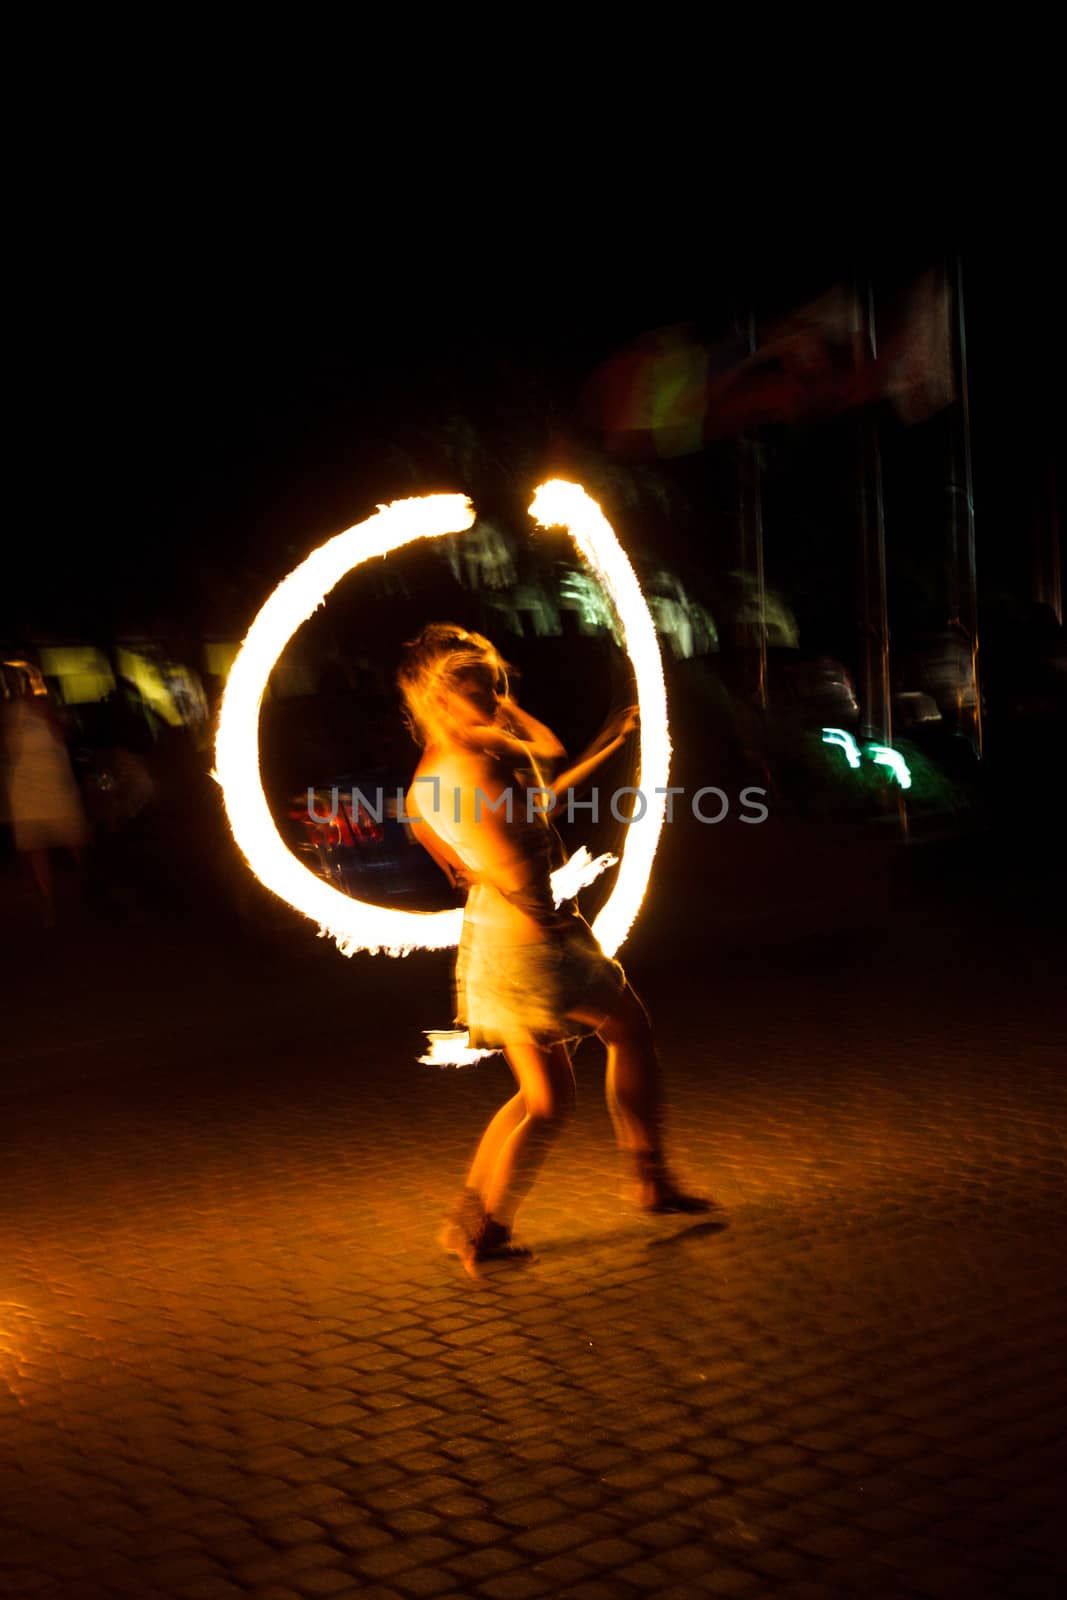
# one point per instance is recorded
(579, 870)
(452, 1049)
(566, 504)
(354, 924)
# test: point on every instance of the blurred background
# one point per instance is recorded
(837, 472)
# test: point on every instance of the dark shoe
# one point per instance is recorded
(464, 1225)
(674, 1202)
(494, 1244)
(660, 1195)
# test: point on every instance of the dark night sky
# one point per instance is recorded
(191, 402)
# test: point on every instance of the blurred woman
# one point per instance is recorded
(530, 976)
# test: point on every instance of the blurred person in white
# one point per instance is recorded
(43, 799)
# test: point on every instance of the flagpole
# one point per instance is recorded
(757, 528)
(963, 598)
(761, 586)
(750, 520)
(877, 720)
(1048, 587)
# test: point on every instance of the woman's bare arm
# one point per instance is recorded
(612, 737)
(540, 740)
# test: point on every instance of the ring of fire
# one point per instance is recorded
(355, 924)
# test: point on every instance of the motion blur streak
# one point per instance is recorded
(353, 924)
(558, 504)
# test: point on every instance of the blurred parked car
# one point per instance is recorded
(351, 831)
(816, 687)
(938, 667)
(913, 710)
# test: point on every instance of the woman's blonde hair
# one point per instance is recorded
(433, 664)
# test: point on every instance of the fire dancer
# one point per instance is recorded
(529, 976)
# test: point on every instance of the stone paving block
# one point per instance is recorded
(565, 1570)
(609, 1552)
(516, 1586)
(287, 1530)
(891, 1522)
(208, 1589)
(316, 1470)
(474, 1565)
(790, 1521)
(948, 1581)
(691, 1560)
(410, 1520)
(694, 1486)
(422, 1582)
(649, 1503)
(357, 1535)
(549, 1538)
(474, 1531)
(284, 1566)
(732, 1581)
(644, 1576)
(581, 1496)
(740, 1469)
(834, 1543)
(377, 1591)
(781, 1563)
(460, 1505)
(404, 1492)
(530, 1513)
(800, 1482)
(179, 1570)
(326, 1581)
(26, 1581)
(387, 1560)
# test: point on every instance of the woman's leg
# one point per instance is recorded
(496, 1134)
(634, 1090)
(468, 1214)
(546, 1094)
(632, 1084)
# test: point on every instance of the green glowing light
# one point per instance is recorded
(846, 742)
(884, 757)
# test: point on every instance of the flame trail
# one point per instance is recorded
(567, 504)
(353, 924)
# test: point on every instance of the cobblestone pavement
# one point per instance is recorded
(232, 1361)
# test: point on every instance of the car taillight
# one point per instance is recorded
(362, 826)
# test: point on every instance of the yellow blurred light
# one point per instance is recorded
(150, 683)
(219, 657)
(84, 673)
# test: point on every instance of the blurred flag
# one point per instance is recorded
(669, 393)
(920, 371)
(812, 364)
(652, 398)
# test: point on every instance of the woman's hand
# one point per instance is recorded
(622, 724)
(612, 737)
